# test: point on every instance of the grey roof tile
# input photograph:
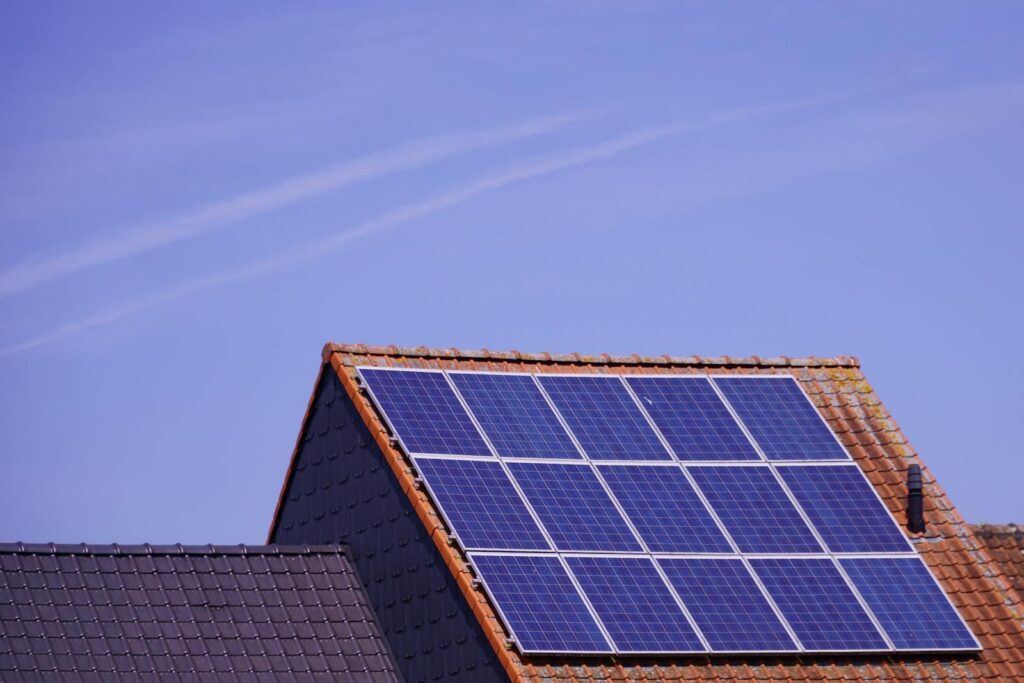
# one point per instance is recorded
(185, 613)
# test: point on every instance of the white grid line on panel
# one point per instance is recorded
(508, 624)
(547, 400)
(505, 469)
(863, 603)
(590, 605)
(647, 416)
(852, 463)
(736, 550)
(833, 556)
(387, 420)
(736, 416)
(559, 417)
(536, 518)
(452, 530)
(646, 552)
(803, 393)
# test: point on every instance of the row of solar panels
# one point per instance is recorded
(691, 418)
(592, 495)
(672, 508)
(654, 510)
(634, 605)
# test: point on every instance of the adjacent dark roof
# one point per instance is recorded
(957, 557)
(197, 613)
(1005, 544)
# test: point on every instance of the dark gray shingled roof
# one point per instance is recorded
(196, 613)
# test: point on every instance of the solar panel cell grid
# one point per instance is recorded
(755, 509)
(514, 415)
(780, 418)
(574, 507)
(482, 505)
(911, 608)
(425, 412)
(692, 418)
(540, 604)
(664, 513)
(665, 509)
(844, 509)
(818, 605)
(604, 418)
(727, 605)
(634, 604)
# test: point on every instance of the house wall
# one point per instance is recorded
(342, 491)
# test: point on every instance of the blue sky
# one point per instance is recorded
(193, 199)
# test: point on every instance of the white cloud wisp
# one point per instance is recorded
(39, 270)
(410, 212)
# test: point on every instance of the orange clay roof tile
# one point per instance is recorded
(988, 593)
(1004, 543)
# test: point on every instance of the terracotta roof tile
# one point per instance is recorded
(1005, 545)
(960, 558)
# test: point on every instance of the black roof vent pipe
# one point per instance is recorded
(915, 500)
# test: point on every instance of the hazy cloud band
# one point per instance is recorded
(41, 269)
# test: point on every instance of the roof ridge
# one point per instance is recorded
(1011, 529)
(577, 358)
(20, 548)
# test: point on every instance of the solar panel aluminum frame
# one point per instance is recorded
(963, 622)
(828, 553)
(853, 590)
(718, 392)
(867, 482)
(453, 530)
(799, 649)
(833, 556)
(508, 624)
(785, 490)
(636, 402)
(696, 489)
(547, 399)
(365, 384)
(668, 585)
(755, 376)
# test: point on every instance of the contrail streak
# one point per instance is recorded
(409, 212)
(218, 215)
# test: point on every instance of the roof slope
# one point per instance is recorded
(980, 591)
(185, 613)
(1005, 543)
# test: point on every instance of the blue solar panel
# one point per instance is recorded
(780, 418)
(540, 604)
(844, 509)
(634, 604)
(514, 415)
(424, 411)
(604, 418)
(755, 509)
(727, 605)
(574, 507)
(692, 418)
(657, 533)
(482, 505)
(819, 606)
(665, 509)
(907, 602)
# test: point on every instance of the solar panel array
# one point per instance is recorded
(664, 514)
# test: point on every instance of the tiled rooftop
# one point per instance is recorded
(1005, 543)
(980, 590)
(188, 613)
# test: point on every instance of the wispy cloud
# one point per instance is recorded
(218, 215)
(410, 212)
